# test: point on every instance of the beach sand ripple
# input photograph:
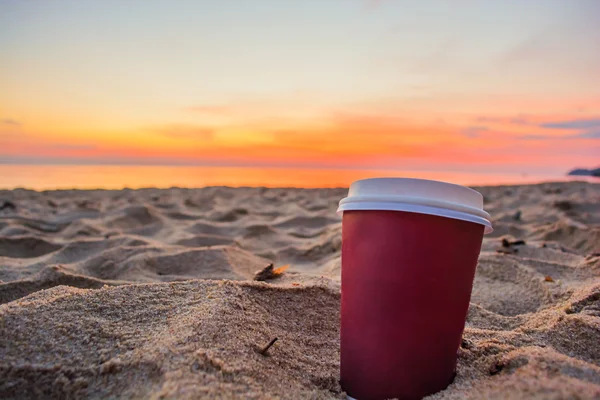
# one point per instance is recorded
(149, 294)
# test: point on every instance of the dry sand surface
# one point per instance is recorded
(73, 324)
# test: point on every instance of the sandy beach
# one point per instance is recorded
(150, 294)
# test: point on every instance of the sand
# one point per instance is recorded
(149, 294)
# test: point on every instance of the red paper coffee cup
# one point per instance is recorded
(409, 252)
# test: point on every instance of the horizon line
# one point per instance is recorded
(266, 166)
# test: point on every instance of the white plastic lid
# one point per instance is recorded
(418, 196)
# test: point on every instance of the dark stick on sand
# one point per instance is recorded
(267, 347)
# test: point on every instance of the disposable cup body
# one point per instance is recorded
(406, 285)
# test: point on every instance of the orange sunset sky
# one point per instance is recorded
(492, 86)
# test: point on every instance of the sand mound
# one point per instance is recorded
(202, 338)
(48, 277)
(125, 260)
(25, 247)
(210, 228)
(72, 325)
(222, 262)
(204, 241)
(183, 340)
(229, 215)
(316, 222)
(573, 235)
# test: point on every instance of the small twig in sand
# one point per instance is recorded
(496, 368)
(267, 347)
(517, 215)
(7, 204)
(508, 243)
(563, 205)
(503, 250)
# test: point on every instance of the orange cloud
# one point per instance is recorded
(189, 132)
(211, 109)
(342, 139)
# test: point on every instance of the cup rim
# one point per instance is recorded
(425, 197)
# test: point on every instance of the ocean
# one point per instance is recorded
(47, 177)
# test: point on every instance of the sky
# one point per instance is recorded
(492, 86)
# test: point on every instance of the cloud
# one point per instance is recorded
(215, 110)
(592, 134)
(584, 124)
(10, 121)
(187, 132)
(538, 137)
(473, 131)
(65, 146)
(556, 49)
(589, 128)
(486, 120)
(582, 135)
(529, 48)
(379, 140)
(519, 119)
(373, 4)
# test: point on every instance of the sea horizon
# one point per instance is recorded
(116, 177)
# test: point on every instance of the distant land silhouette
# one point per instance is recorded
(585, 172)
